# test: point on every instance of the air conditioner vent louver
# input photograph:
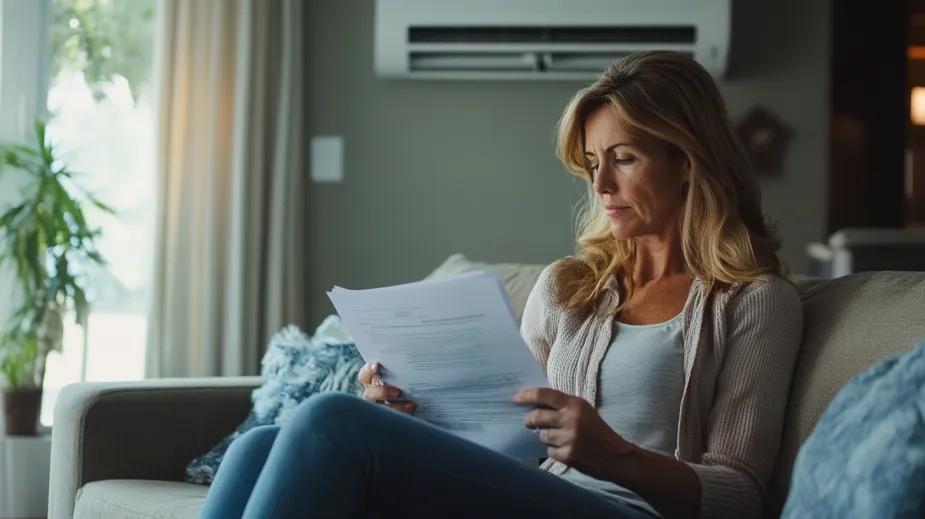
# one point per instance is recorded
(593, 34)
(494, 61)
(541, 39)
(513, 61)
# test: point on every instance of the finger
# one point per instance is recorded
(370, 374)
(551, 437)
(561, 453)
(381, 393)
(406, 406)
(365, 376)
(546, 418)
(541, 397)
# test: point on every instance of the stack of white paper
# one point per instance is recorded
(453, 346)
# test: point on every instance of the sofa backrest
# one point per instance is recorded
(850, 323)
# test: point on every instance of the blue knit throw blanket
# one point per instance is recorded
(294, 367)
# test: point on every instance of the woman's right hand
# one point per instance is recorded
(377, 391)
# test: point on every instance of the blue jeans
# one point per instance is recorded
(340, 456)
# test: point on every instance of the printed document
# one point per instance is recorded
(453, 346)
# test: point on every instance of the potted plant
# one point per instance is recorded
(47, 241)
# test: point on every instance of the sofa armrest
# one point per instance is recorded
(139, 430)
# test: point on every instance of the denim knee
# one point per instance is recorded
(326, 411)
(257, 439)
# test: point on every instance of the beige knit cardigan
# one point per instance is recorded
(740, 346)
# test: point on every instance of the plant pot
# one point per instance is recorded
(21, 411)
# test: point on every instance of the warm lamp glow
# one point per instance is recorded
(917, 106)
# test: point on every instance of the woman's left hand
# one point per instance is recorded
(574, 431)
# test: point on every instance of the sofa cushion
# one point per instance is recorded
(866, 456)
(849, 324)
(135, 498)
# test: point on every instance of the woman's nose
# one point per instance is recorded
(604, 181)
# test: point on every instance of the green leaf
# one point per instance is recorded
(96, 257)
(20, 157)
(21, 149)
(40, 133)
(100, 205)
(46, 151)
(7, 217)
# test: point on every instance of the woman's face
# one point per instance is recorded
(639, 183)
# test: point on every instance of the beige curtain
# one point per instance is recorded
(231, 232)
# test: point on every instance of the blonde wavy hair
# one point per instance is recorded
(669, 98)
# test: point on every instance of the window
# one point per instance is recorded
(102, 121)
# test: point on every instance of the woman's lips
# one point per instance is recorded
(616, 210)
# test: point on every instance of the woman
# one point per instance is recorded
(668, 339)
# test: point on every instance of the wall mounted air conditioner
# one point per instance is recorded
(541, 39)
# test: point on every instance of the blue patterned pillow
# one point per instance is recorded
(294, 367)
(866, 456)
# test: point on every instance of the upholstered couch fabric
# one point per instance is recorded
(138, 430)
(850, 323)
(139, 499)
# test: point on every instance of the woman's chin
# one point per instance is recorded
(622, 232)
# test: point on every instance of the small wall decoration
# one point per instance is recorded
(765, 138)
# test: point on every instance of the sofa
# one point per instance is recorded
(119, 449)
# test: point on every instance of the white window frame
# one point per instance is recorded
(23, 89)
(24, 61)
(24, 69)
(24, 26)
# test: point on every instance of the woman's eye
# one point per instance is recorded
(626, 161)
